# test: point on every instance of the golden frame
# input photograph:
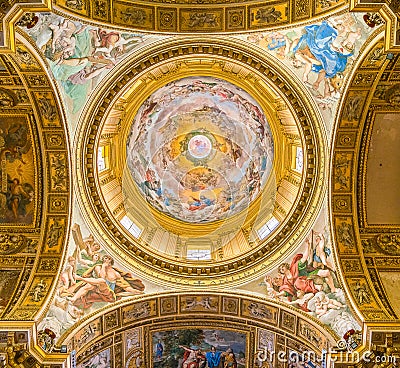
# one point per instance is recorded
(150, 331)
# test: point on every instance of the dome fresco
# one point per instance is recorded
(200, 149)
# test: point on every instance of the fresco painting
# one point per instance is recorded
(199, 348)
(308, 281)
(101, 360)
(79, 55)
(17, 171)
(200, 149)
(90, 280)
(320, 53)
(8, 283)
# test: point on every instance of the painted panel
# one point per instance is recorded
(8, 283)
(307, 280)
(79, 56)
(198, 348)
(89, 280)
(17, 171)
(268, 15)
(193, 20)
(319, 54)
(383, 171)
(101, 360)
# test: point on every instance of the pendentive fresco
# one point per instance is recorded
(321, 55)
(90, 279)
(79, 55)
(308, 280)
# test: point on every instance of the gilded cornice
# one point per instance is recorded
(198, 16)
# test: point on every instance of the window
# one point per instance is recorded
(198, 254)
(101, 158)
(267, 228)
(299, 159)
(129, 225)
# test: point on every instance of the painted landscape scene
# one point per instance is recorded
(199, 348)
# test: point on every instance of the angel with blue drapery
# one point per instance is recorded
(324, 49)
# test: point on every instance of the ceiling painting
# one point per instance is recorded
(320, 54)
(78, 55)
(308, 280)
(90, 280)
(180, 335)
(384, 136)
(178, 118)
(165, 136)
(35, 191)
(199, 348)
(200, 149)
(17, 171)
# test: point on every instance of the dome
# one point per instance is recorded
(200, 149)
(197, 167)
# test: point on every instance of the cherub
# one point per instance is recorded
(321, 253)
(112, 44)
(67, 277)
(349, 42)
(63, 42)
(323, 304)
(302, 300)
